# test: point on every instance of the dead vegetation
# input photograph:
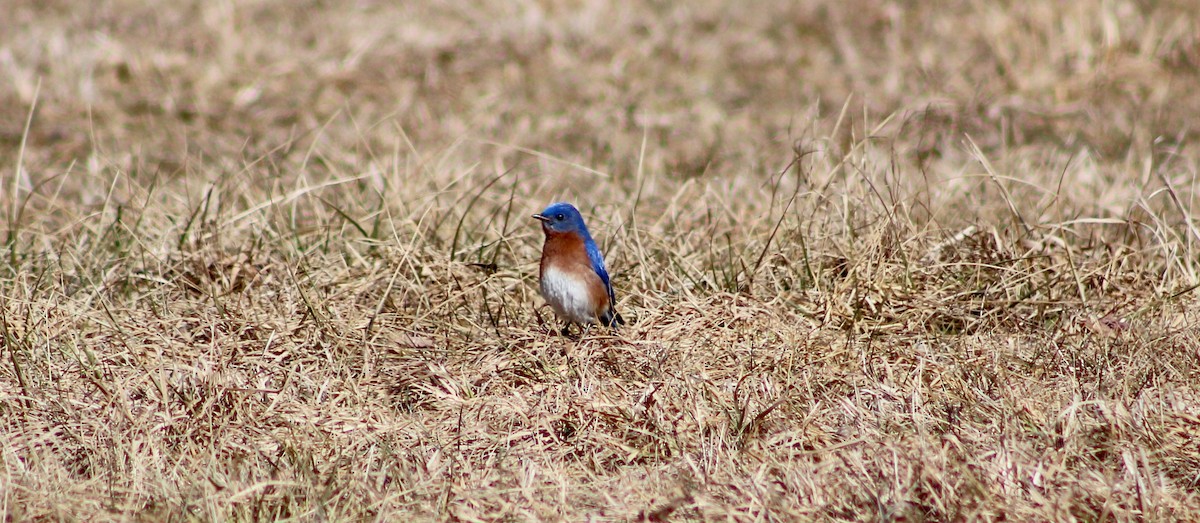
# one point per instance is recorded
(272, 260)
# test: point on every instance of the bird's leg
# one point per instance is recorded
(566, 331)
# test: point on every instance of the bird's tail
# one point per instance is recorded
(612, 318)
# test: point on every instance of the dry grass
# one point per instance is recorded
(886, 260)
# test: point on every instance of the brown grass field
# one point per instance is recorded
(885, 260)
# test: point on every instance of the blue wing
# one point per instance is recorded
(611, 317)
(598, 266)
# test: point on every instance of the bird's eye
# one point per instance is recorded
(560, 217)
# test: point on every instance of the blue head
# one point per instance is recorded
(563, 217)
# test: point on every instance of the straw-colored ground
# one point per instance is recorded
(885, 260)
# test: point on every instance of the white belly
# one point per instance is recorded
(567, 295)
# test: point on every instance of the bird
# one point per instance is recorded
(572, 276)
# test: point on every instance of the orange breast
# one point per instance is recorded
(564, 250)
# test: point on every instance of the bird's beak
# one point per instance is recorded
(542, 218)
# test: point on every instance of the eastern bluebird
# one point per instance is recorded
(572, 275)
